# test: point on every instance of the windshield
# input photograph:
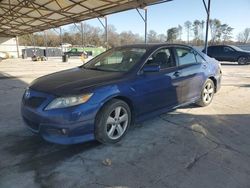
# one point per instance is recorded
(117, 59)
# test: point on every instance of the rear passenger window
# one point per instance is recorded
(185, 56)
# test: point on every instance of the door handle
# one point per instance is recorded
(204, 66)
(177, 74)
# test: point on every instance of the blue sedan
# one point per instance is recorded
(101, 99)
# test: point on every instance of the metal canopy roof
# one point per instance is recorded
(18, 17)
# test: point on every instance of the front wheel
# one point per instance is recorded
(242, 61)
(207, 93)
(113, 121)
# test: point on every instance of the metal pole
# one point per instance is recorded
(46, 44)
(61, 40)
(17, 47)
(82, 34)
(34, 44)
(145, 19)
(106, 31)
(146, 24)
(207, 24)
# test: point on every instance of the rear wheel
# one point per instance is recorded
(207, 93)
(242, 61)
(112, 121)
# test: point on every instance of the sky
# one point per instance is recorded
(161, 17)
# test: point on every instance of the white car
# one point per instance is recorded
(3, 55)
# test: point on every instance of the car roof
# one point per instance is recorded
(153, 45)
(220, 45)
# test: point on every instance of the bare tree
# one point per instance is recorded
(244, 36)
(215, 25)
(202, 29)
(113, 36)
(226, 31)
(162, 38)
(179, 32)
(187, 26)
(152, 37)
(127, 37)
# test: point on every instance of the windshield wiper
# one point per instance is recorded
(91, 68)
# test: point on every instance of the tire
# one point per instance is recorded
(242, 60)
(112, 122)
(207, 93)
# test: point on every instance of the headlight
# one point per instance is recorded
(63, 102)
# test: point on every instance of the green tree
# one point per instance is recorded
(196, 29)
(172, 34)
(215, 28)
(179, 32)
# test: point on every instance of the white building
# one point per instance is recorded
(8, 45)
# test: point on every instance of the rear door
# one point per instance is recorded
(191, 67)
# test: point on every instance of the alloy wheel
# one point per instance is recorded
(208, 92)
(117, 123)
(242, 60)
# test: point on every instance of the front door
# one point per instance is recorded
(156, 90)
(228, 54)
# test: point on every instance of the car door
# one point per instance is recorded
(156, 90)
(192, 73)
(228, 54)
(217, 52)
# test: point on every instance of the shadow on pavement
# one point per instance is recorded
(245, 85)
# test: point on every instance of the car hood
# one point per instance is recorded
(74, 81)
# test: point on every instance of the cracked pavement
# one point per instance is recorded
(186, 148)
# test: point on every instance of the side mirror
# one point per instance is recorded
(151, 68)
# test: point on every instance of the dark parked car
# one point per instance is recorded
(101, 99)
(75, 52)
(229, 53)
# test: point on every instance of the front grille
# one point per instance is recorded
(31, 124)
(34, 102)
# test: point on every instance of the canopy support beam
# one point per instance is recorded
(46, 43)
(207, 7)
(105, 26)
(17, 47)
(145, 19)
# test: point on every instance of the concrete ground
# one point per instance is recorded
(190, 147)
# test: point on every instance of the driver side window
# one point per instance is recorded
(162, 57)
